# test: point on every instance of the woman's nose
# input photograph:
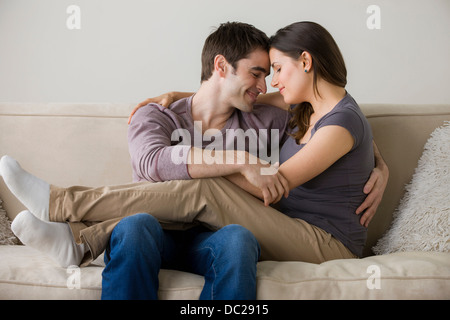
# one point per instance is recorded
(274, 82)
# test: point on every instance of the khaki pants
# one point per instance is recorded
(93, 213)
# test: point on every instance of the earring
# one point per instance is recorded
(306, 70)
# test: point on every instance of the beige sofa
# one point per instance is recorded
(86, 144)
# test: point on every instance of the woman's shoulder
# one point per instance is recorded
(348, 115)
(347, 105)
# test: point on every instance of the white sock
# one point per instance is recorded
(33, 192)
(51, 238)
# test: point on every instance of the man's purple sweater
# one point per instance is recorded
(159, 138)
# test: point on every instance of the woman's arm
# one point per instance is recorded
(326, 146)
(273, 99)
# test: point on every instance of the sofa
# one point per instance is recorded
(86, 144)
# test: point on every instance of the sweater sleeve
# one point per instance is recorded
(154, 156)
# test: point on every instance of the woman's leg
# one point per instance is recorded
(33, 192)
(281, 238)
(176, 201)
(214, 202)
(51, 238)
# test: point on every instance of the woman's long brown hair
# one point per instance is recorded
(327, 63)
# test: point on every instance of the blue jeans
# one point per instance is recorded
(139, 248)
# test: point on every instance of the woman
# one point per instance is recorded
(331, 150)
(326, 162)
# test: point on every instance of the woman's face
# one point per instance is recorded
(290, 78)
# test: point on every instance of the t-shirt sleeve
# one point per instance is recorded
(154, 156)
(348, 119)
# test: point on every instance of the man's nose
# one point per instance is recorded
(262, 87)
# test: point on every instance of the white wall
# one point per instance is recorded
(128, 50)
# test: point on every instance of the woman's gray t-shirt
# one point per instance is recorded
(329, 201)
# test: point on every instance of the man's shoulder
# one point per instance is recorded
(156, 111)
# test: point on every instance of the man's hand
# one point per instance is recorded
(374, 189)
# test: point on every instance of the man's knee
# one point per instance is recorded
(240, 241)
(136, 229)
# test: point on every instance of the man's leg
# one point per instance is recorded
(227, 259)
(133, 259)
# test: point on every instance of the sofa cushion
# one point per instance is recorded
(403, 275)
(27, 274)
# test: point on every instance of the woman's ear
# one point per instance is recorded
(220, 65)
(306, 61)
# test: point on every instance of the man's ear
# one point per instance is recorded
(220, 65)
(306, 61)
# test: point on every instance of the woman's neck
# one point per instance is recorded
(330, 95)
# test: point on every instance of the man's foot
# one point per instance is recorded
(51, 238)
(33, 192)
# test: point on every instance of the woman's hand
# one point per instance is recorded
(164, 100)
(273, 99)
(268, 179)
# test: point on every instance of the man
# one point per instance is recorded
(138, 247)
(235, 64)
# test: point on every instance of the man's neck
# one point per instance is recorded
(209, 107)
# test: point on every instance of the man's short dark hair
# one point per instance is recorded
(233, 40)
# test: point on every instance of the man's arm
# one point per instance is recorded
(154, 158)
(374, 188)
(241, 168)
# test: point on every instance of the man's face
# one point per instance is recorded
(248, 80)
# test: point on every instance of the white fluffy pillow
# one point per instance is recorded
(6, 235)
(422, 220)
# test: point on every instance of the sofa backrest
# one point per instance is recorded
(86, 144)
(66, 144)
